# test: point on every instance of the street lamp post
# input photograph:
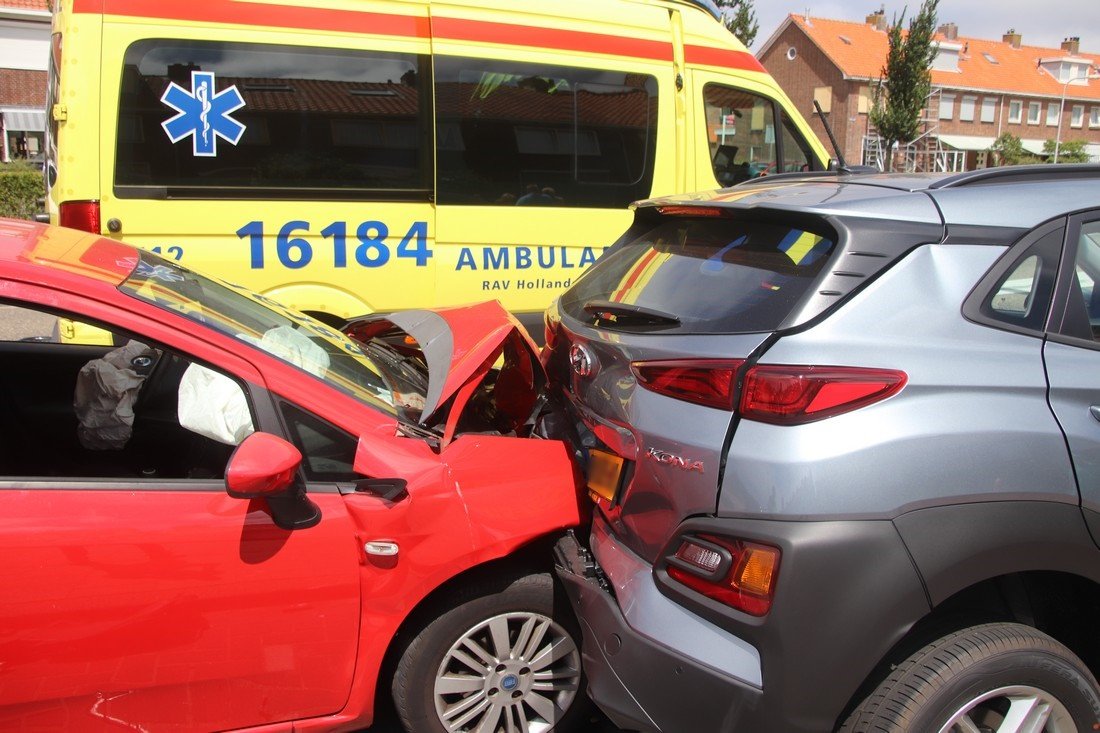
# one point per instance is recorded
(1062, 110)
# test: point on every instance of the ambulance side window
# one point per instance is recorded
(518, 134)
(209, 119)
(742, 137)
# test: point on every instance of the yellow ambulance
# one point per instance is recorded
(350, 156)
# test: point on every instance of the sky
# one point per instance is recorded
(1042, 22)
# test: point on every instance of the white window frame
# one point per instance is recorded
(1034, 113)
(1094, 117)
(1016, 111)
(1077, 116)
(947, 106)
(989, 109)
(1052, 114)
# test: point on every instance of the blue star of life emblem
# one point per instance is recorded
(203, 113)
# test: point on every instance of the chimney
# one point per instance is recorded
(949, 31)
(1012, 38)
(877, 20)
(1072, 45)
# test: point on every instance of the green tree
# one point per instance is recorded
(901, 91)
(740, 18)
(1010, 150)
(1070, 151)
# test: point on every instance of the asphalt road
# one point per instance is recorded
(18, 323)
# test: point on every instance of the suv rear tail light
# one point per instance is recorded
(777, 394)
(704, 381)
(794, 395)
(82, 215)
(700, 211)
(738, 573)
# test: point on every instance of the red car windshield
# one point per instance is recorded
(264, 324)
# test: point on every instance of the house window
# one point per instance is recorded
(1094, 117)
(824, 97)
(966, 109)
(989, 109)
(947, 106)
(864, 100)
(1016, 111)
(1052, 114)
(1077, 119)
(1034, 109)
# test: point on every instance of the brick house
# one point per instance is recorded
(980, 89)
(24, 51)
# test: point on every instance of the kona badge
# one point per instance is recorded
(668, 459)
(582, 360)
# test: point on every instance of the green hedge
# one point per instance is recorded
(20, 191)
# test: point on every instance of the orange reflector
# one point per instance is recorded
(757, 570)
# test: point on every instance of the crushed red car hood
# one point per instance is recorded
(460, 345)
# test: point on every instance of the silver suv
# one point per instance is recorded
(843, 435)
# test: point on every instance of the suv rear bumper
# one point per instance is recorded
(660, 657)
(639, 682)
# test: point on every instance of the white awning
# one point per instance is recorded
(968, 142)
(23, 119)
(1035, 147)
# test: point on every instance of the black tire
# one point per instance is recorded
(978, 673)
(513, 682)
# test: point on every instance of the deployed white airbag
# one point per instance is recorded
(214, 406)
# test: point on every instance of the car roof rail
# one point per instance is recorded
(708, 5)
(1020, 174)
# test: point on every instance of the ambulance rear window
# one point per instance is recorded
(525, 134)
(235, 120)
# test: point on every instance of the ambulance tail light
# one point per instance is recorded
(82, 215)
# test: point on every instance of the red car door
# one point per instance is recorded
(150, 603)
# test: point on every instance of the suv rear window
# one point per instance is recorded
(712, 275)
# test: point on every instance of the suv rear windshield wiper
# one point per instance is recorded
(626, 315)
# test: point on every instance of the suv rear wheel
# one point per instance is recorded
(1002, 678)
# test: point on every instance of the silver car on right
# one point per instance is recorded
(843, 437)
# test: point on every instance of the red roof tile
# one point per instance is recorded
(25, 4)
(859, 51)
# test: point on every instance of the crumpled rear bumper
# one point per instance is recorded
(642, 684)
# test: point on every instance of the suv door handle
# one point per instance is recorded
(1095, 412)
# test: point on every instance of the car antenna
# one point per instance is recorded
(842, 165)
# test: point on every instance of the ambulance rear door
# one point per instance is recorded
(551, 118)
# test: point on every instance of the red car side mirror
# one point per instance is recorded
(263, 465)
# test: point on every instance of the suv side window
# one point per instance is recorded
(1017, 291)
(319, 122)
(1081, 318)
(519, 134)
(741, 133)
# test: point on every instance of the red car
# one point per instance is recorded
(242, 518)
